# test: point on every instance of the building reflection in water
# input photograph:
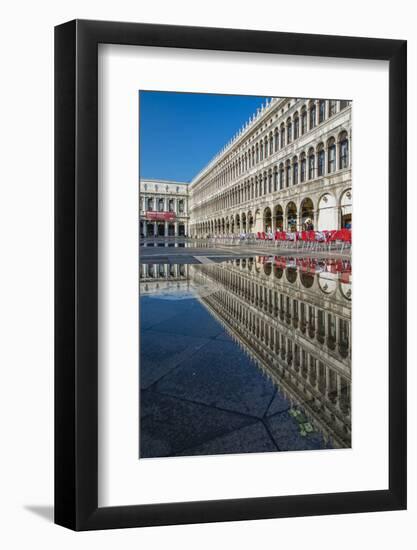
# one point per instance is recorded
(291, 315)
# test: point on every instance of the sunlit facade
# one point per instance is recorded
(288, 168)
(163, 208)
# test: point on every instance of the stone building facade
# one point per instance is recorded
(288, 168)
(163, 208)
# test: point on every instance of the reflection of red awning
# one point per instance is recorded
(160, 216)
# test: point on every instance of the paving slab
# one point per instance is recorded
(169, 425)
(249, 439)
(220, 375)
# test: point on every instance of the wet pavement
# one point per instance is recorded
(207, 387)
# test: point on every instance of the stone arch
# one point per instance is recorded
(278, 221)
(291, 274)
(243, 223)
(346, 209)
(307, 279)
(291, 216)
(257, 221)
(327, 282)
(327, 215)
(307, 214)
(267, 219)
(250, 222)
(267, 268)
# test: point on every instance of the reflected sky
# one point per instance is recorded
(245, 355)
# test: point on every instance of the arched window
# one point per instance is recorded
(312, 116)
(294, 171)
(311, 164)
(257, 153)
(344, 150)
(303, 120)
(332, 107)
(289, 131)
(270, 182)
(296, 126)
(331, 155)
(271, 144)
(288, 173)
(265, 182)
(303, 167)
(261, 156)
(266, 147)
(276, 134)
(282, 135)
(320, 160)
(322, 110)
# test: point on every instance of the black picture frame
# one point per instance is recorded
(76, 273)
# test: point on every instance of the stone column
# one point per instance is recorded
(176, 229)
(145, 228)
(166, 229)
(155, 229)
(317, 103)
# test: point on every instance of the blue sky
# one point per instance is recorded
(180, 132)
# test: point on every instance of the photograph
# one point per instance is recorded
(245, 274)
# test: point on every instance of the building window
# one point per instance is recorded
(331, 155)
(344, 151)
(289, 131)
(276, 139)
(275, 180)
(303, 168)
(257, 153)
(343, 104)
(322, 110)
(181, 206)
(271, 144)
(304, 122)
(161, 205)
(150, 205)
(313, 117)
(296, 127)
(288, 174)
(332, 107)
(262, 151)
(171, 205)
(295, 173)
(281, 176)
(320, 161)
(282, 136)
(311, 162)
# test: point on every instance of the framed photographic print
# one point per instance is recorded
(230, 275)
